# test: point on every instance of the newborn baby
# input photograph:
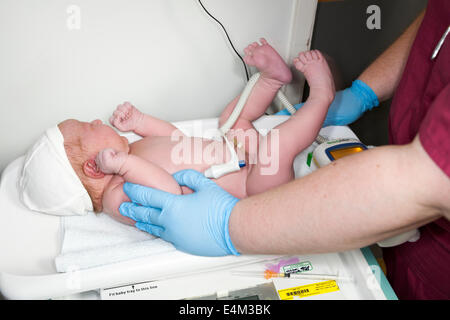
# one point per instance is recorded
(103, 160)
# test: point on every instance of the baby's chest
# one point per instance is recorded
(191, 153)
(157, 150)
(177, 154)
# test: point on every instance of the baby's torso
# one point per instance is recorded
(193, 153)
(172, 156)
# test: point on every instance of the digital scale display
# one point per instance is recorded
(345, 151)
(329, 151)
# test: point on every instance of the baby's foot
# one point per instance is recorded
(109, 161)
(126, 117)
(315, 68)
(268, 61)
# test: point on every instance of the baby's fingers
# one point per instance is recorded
(118, 112)
(123, 108)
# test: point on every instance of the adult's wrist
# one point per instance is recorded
(365, 93)
(229, 243)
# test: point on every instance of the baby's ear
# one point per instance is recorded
(91, 169)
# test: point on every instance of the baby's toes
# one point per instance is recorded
(315, 54)
(248, 51)
(299, 65)
(308, 55)
(320, 54)
(302, 57)
(250, 48)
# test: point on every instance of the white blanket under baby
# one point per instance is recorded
(96, 240)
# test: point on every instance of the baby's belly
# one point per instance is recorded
(191, 153)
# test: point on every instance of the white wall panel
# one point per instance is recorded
(165, 56)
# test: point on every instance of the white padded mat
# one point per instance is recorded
(29, 241)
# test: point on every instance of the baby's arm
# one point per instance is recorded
(136, 170)
(127, 117)
(130, 168)
(112, 198)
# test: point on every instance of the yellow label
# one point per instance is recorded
(308, 290)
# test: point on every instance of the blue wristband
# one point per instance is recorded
(362, 90)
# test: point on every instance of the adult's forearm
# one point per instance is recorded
(353, 202)
(384, 74)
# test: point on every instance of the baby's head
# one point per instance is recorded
(82, 142)
(61, 165)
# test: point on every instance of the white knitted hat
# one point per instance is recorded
(48, 182)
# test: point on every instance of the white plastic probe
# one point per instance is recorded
(240, 104)
(283, 99)
(243, 99)
(216, 171)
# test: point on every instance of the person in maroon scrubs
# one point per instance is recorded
(356, 200)
(421, 106)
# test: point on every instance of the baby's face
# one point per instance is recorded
(92, 136)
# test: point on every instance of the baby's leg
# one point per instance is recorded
(288, 139)
(274, 74)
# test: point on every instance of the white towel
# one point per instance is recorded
(96, 239)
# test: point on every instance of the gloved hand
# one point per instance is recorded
(348, 105)
(196, 223)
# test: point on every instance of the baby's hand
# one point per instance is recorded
(126, 117)
(110, 161)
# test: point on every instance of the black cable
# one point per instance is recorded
(228, 37)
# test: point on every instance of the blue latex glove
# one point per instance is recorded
(348, 105)
(196, 223)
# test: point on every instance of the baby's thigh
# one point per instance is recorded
(245, 137)
(263, 177)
